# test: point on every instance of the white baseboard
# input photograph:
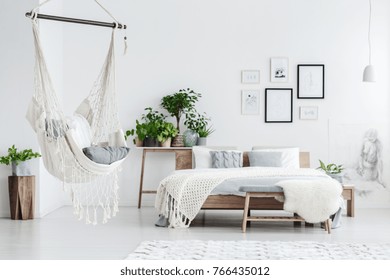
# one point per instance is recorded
(48, 210)
(5, 214)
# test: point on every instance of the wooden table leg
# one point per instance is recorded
(246, 209)
(141, 180)
(351, 205)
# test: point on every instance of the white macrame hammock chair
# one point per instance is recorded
(93, 187)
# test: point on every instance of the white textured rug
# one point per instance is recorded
(258, 250)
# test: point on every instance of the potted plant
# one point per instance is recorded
(198, 129)
(332, 169)
(139, 132)
(19, 160)
(203, 133)
(151, 126)
(166, 132)
(178, 104)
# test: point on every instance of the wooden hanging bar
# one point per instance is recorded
(79, 21)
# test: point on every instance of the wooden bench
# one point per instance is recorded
(247, 218)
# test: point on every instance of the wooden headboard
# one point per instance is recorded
(304, 159)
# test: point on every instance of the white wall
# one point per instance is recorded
(205, 44)
(16, 84)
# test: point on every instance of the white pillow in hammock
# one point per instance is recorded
(82, 131)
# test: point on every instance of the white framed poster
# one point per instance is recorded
(250, 102)
(311, 81)
(279, 69)
(278, 105)
(308, 113)
(250, 76)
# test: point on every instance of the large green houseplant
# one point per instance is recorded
(19, 160)
(178, 104)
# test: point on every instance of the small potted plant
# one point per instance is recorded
(19, 160)
(198, 129)
(139, 132)
(166, 132)
(178, 104)
(152, 122)
(332, 169)
(203, 133)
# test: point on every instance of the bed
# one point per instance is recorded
(185, 192)
(237, 202)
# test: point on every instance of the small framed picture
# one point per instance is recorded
(308, 113)
(279, 69)
(278, 105)
(311, 79)
(250, 102)
(250, 76)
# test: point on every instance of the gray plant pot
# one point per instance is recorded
(150, 142)
(190, 138)
(21, 169)
(337, 177)
(202, 141)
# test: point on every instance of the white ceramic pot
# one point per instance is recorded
(21, 169)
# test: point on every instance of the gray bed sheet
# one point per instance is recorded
(262, 184)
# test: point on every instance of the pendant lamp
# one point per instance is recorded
(369, 71)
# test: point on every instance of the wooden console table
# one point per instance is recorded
(183, 160)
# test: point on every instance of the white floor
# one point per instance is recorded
(61, 236)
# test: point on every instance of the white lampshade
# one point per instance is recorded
(369, 74)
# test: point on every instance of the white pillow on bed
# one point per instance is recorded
(202, 157)
(290, 156)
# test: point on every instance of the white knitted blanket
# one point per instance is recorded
(180, 196)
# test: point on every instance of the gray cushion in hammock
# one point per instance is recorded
(106, 155)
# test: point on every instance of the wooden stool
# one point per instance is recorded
(22, 197)
(248, 218)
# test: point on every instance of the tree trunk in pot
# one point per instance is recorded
(178, 141)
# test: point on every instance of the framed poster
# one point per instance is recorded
(250, 102)
(279, 69)
(311, 79)
(308, 113)
(250, 76)
(278, 105)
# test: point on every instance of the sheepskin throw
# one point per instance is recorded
(313, 200)
(180, 196)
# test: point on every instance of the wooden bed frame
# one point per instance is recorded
(234, 202)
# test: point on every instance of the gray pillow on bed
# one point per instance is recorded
(265, 159)
(226, 159)
(106, 155)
